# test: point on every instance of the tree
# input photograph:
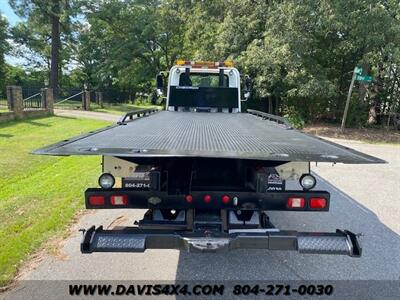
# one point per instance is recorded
(300, 53)
(4, 48)
(54, 13)
(47, 25)
(16, 75)
(309, 49)
(202, 28)
(125, 44)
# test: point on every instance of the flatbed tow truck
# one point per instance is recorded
(207, 173)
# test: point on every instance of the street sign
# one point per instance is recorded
(365, 78)
(356, 76)
(358, 70)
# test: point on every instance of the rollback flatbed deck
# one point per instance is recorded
(208, 174)
(213, 135)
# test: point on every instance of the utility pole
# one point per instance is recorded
(356, 72)
(55, 46)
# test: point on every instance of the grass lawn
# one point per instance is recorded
(39, 195)
(3, 105)
(119, 109)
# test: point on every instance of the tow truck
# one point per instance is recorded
(207, 173)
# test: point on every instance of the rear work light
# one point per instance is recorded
(317, 203)
(295, 202)
(96, 200)
(106, 181)
(119, 200)
(307, 181)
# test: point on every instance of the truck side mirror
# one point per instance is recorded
(247, 87)
(160, 84)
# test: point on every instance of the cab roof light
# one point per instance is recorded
(189, 198)
(225, 199)
(207, 198)
(205, 64)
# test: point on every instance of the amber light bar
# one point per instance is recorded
(205, 64)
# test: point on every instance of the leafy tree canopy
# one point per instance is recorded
(300, 54)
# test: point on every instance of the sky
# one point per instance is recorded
(7, 11)
(12, 18)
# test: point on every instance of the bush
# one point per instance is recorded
(294, 117)
(357, 114)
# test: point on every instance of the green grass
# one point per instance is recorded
(119, 109)
(39, 195)
(3, 105)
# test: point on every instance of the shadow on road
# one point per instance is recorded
(380, 259)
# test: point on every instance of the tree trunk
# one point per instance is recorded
(270, 108)
(375, 106)
(372, 116)
(55, 47)
(278, 106)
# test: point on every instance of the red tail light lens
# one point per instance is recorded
(119, 200)
(295, 202)
(226, 199)
(207, 198)
(189, 198)
(317, 203)
(96, 200)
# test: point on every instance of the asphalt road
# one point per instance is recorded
(364, 199)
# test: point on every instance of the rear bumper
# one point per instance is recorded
(131, 239)
(245, 200)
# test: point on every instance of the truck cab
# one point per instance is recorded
(202, 86)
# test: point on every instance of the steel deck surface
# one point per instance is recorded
(214, 135)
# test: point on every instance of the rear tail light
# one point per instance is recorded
(207, 198)
(225, 199)
(119, 200)
(96, 200)
(295, 202)
(317, 203)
